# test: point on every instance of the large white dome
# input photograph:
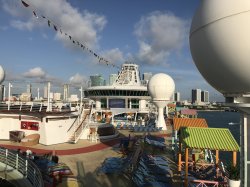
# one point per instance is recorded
(2, 74)
(161, 87)
(220, 44)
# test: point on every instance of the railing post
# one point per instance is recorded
(34, 178)
(20, 107)
(6, 156)
(41, 105)
(74, 137)
(31, 106)
(26, 168)
(17, 157)
(6, 163)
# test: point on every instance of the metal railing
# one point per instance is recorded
(78, 126)
(23, 165)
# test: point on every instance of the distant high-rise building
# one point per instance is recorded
(56, 96)
(147, 76)
(45, 92)
(25, 97)
(29, 88)
(177, 96)
(205, 96)
(65, 92)
(112, 78)
(196, 95)
(97, 80)
(2, 92)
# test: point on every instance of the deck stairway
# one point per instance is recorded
(79, 125)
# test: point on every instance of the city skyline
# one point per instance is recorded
(154, 35)
(66, 91)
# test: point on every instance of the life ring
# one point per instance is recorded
(24, 125)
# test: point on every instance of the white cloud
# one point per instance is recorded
(21, 25)
(158, 35)
(82, 26)
(77, 79)
(114, 55)
(13, 8)
(36, 72)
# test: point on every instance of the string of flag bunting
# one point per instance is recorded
(57, 28)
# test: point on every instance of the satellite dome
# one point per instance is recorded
(220, 44)
(2, 74)
(161, 87)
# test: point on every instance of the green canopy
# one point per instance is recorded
(208, 138)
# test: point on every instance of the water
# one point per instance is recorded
(221, 119)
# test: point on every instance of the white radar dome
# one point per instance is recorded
(161, 87)
(2, 74)
(220, 44)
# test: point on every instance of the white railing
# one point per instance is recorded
(79, 125)
(203, 183)
(73, 127)
(23, 165)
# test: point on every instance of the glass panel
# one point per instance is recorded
(117, 103)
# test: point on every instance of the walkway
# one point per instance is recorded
(80, 150)
(66, 148)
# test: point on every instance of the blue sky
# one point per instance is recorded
(152, 34)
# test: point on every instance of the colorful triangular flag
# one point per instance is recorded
(34, 13)
(25, 4)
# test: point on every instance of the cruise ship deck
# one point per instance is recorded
(85, 157)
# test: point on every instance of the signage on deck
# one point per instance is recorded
(30, 125)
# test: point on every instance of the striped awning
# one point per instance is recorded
(208, 138)
(171, 105)
(189, 122)
(189, 112)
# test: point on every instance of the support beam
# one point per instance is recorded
(234, 158)
(186, 167)
(216, 157)
(179, 161)
(179, 157)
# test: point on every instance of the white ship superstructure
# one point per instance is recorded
(59, 125)
(126, 94)
(57, 122)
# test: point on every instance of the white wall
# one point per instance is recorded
(51, 132)
(55, 132)
(13, 123)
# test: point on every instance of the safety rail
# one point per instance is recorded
(204, 183)
(33, 107)
(23, 107)
(23, 165)
(78, 126)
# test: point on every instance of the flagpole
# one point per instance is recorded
(9, 96)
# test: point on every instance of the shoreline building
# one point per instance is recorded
(45, 92)
(29, 88)
(177, 97)
(112, 78)
(196, 96)
(2, 88)
(205, 96)
(97, 80)
(65, 92)
(146, 77)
